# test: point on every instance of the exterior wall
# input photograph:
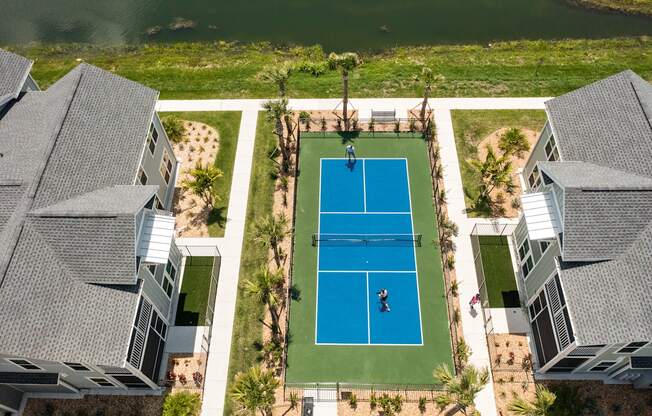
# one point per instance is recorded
(151, 164)
(538, 153)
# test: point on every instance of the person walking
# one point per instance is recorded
(350, 152)
(383, 295)
(475, 299)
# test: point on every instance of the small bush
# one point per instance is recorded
(173, 128)
(182, 404)
(353, 401)
(422, 404)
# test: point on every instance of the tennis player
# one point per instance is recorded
(383, 295)
(350, 152)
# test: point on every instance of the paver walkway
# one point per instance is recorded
(231, 247)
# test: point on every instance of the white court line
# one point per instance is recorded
(368, 313)
(365, 212)
(414, 248)
(364, 158)
(368, 271)
(364, 187)
(318, 250)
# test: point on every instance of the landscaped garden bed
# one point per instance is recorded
(476, 131)
(186, 372)
(206, 140)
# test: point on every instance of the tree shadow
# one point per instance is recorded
(217, 216)
(295, 292)
(184, 317)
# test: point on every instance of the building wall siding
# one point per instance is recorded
(151, 163)
(538, 152)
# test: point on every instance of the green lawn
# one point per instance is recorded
(643, 7)
(193, 299)
(308, 362)
(470, 127)
(247, 327)
(498, 272)
(227, 124)
(229, 70)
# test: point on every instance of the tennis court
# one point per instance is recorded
(366, 243)
(360, 228)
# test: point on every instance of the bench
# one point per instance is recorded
(383, 116)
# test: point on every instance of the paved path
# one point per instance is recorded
(231, 245)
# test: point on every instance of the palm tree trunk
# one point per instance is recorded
(345, 98)
(277, 255)
(424, 105)
(282, 145)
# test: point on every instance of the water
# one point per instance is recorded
(335, 24)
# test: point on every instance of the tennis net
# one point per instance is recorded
(380, 240)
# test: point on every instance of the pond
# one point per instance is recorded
(335, 24)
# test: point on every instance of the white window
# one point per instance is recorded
(632, 347)
(157, 202)
(24, 364)
(168, 278)
(142, 177)
(77, 366)
(102, 382)
(603, 366)
(152, 269)
(535, 178)
(166, 166)
(525, 255)
(152, 138)
(551, 149)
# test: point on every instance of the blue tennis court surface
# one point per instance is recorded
(365, 243)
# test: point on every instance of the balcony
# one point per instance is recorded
(541, 215)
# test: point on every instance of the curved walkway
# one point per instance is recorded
(231, 244)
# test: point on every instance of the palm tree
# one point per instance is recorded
(428, 79)
(495, 172)
(276, 112)
(202, 184)
(460, 390)
(345, 62)
(269, 232)
(448, 230)
(540, 406)
(267, 286)
(255, 390)
(513, 142)
(278, 75)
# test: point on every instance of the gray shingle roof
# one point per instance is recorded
(14, 70)
(109, 201)
(605, 123)
(591, 177)
(604, 133)
(609, 301)
(67, 217)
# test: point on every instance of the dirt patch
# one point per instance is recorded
(504, 202)
(200, 144)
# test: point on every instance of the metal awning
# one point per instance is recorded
(541, 215)
(156, 238)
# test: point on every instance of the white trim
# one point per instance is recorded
(364, 186)
(364, 213)
(411, 272)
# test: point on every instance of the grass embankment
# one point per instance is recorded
(227, 124)
(643, 7)
(227, 70)
(195, 289)
(471, 126)
(247, 326)
(498, 272)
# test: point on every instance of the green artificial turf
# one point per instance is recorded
(498, 272)
(470, 127)
(308, 362)
(227, 124)
(249, 312)
(195, 287)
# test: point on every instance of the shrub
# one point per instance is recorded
(294, 400)
(422, 404)
(353, 401)
(173, 128)
(182, 404)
